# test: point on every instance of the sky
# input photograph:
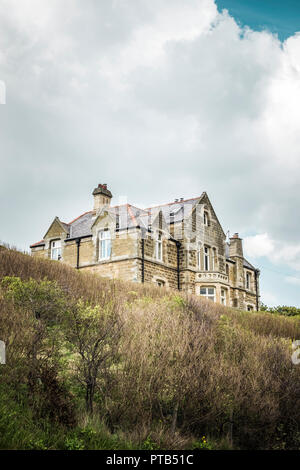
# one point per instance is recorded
(160, 100)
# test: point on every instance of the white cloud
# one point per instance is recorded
(293, 280)
(160, 99)
(278, 252)
(258, 245)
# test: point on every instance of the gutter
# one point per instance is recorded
(256, 271)
(78, 241)
(143, 260)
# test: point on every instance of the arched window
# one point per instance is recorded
(158, 247)
(104, 244)
(206, 218)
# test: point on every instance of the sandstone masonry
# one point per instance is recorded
(179, 245)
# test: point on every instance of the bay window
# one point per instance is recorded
(209, 293)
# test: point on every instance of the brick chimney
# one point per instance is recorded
(102, 197)
(236, 246)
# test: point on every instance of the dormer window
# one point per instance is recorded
(56, 250)
(159, 247)
(104, 244)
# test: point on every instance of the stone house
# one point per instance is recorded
(179, 245)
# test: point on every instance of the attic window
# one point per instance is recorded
(205, 218)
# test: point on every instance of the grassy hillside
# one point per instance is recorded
(99, 364)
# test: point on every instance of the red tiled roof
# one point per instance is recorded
(41, 242)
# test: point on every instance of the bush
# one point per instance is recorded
(157, 369)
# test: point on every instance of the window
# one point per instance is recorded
(160, 283)
(223, 296)
(56, 250)
(205, 218)
(206, 258)
(208, 292)
(199, 258)
(227, 269)
(250, 308)
(159, 247)
(104, 244)
(214, 259)
(248, 280)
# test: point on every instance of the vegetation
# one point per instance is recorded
(282, 310)
(100, 364)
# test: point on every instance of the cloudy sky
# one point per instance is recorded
(159, 99)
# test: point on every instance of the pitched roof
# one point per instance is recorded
(129, 216)
(40, 243)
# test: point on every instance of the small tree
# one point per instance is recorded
(92, 333)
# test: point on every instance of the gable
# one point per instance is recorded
(56, 229)
(204, 200)
(105, 219)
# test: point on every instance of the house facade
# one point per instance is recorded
(179, 245)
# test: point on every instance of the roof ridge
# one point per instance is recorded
(174, 202)
(74, 220)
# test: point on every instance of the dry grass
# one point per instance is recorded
(185, 367)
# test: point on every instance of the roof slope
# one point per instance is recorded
(128, 216)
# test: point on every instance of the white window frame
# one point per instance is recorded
(159, 247)
(223, 296)
(208, 295)
(104, 245)
(55, 250)
(206, 258)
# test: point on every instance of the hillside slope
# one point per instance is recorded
(99, 364)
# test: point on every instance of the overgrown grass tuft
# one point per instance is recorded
(100, 364)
